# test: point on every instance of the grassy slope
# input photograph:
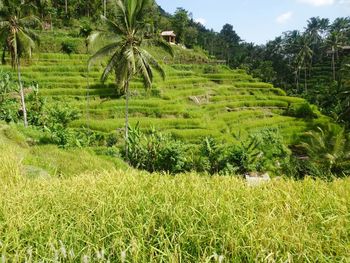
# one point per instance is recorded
(157, 218)
(153, 218)
(189, 103)
(43, 161)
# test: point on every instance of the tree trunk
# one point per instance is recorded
(297, 80)
(21, 92)
(333, 63)
(305, 85)
(66, 6)
(105, 8)
(127, 121)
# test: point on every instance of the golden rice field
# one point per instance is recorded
(130, 216)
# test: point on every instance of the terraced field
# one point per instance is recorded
(190, 104)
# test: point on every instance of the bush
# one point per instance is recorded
(56, 123)
(9, 106)
(210, 69)
(155, 152)
(35, 106)
(304, 110)
(68, 47)
(263, 151)
(327, 150)
(9, 111)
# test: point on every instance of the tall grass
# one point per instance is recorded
(137, 217)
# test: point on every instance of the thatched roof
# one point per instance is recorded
(168, 34)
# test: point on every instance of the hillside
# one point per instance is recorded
(217, 164)
(193, 102)
(198, 99)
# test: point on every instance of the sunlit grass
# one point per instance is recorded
(137, 217)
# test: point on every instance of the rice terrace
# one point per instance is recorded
(138, 131)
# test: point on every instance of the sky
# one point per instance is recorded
(259, 20)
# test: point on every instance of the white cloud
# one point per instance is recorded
(284, 18)
(344, 2)
(318, 2)
(201, 20)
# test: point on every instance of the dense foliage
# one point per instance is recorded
(134, 216)
(311, 64)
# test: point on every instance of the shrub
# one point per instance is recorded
(9, 111)
(211, 156)
(155, 152)
(210, 69)
(9, 105)
(245, 156)
(263, 151)
(68, 47)
(35, 106)
(328, 149)
(303, 110)
(56, 123)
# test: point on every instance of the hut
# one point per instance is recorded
(169, 36)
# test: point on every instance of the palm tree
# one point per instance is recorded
(66, 7)
(334, 42)
(104, 7)
(329, 149)
(18, 40)
(341, 24)
(304, 56)
(316, 27)
(128, 58)
(316, 30)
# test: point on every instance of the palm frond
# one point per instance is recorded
(103, 52)
(111, 65)
(113, 27)
(29, 21)
(130, 57)
(145, 70)
(153, 62)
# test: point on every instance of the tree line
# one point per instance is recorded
(313, 63)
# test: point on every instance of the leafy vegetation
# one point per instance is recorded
(140, 217)
(128, 58)
(69, 189)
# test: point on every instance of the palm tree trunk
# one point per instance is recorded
(104, 7)
(333, 63)
(66, 6)
(305, 80)
(297, 80)
(127, 121)
(21, 92)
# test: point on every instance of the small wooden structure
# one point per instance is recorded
(345, 49)
(342, 50)
(169, 36)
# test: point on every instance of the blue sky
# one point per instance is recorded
(259, 20)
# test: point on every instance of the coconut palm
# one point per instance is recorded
(316, 28)
(17, 38)
(329, 149)
(334, 42)
(127, 57)
(105, 7)
(304, 57)
(341, 24)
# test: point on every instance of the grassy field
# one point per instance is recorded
(131, 216)
(119, 216)
(76, 205)
(188, 101)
